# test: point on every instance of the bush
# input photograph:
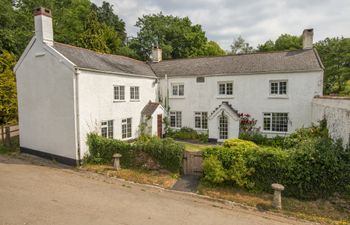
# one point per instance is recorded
(166, 152)
(213, 170)
(186, 133)
(313, 166)
(237, 143)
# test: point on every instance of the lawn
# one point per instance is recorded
(194, 147)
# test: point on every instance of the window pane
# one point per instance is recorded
(129, 127)
(175, 90)
(137, 93)
(104, 131)
(222, 89)
(110, 128)
(267, 123)
(223, 131)
(132, 93)
(279, 122)
(181, 90)
(172, 120)
(283, 88)
(229, 88)
(204, 120)
(178, 119)
(197, 122)
(123, 130)
(274, 88)
(122, 93)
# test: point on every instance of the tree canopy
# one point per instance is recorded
(282, 43)
(240, 46)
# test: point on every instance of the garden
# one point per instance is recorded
(314, 169)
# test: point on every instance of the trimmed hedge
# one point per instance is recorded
(316, 167)
(166, 152)
(186, 133)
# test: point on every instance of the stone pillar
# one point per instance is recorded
(277, 198)
(116, 161)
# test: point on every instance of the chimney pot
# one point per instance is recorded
(308, 35)
(43, 25)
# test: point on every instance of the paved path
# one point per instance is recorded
(45, 195)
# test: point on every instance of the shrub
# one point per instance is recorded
(213, 170)
(238, 143)
(186, 133)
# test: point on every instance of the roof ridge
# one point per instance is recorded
(99, 53)
(234, 55)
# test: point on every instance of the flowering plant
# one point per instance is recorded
(247, 123)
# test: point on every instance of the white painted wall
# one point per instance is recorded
(250, 95)
(46, 103)
(96, 102)
(337, 113)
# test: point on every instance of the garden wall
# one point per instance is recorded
(337, 112)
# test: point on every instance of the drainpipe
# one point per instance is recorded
(76, 109)
(167, 93)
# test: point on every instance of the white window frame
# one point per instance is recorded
(225, 89)
(119, 93)
(201, 120)
(271, 119)
(126, 128)
(175, 119)
(135, 93)
(177, 87)
(279, 88)
(107, 128)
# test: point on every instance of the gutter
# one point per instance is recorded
(76, 112)
(118, 73)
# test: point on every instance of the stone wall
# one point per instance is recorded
(337, 112)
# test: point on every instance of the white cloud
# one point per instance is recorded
(256, 21)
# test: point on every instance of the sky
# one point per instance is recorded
(255, 20)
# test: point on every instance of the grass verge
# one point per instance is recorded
(12, 149)
(335, 211)
(161, 179)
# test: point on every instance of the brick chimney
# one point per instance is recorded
(308, 36)
(43, 25)
(156, 54)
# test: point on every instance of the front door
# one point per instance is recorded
(223, 127)
(159, 125)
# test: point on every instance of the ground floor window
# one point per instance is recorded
(175, 119)
(126, 128)
(201, 120)
(223, 127)
(277, 122)
(107, 128)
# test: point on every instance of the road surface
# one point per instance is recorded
(34, 194)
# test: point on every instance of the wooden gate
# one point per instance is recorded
(192, 163)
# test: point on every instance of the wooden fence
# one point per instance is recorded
(7, 132)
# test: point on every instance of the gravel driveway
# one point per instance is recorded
(47, 194)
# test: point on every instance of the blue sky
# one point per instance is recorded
(255, 20)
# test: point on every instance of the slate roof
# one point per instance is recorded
(84, 58)
(272, 62)
(149, 109)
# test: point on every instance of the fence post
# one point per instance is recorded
(8, 136)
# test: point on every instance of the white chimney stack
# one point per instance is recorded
(156, 54)
(43, 25)
(308, 36)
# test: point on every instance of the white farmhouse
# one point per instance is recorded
(66, 92)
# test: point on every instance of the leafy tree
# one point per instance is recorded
(239, 45)
(283, 42)
(8, 96)
(213, 49)
(177, 37)
(268, 46)
(335, 56)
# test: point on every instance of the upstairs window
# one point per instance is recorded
(107, 128)
(119, 93)
(201, 120)
(126, 128)
(178, 89)
(276, 122)
(175, 119)
(278, 87)
(225, 88)
(134, 93)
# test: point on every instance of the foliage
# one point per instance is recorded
(240, 46)
(213, 170)
(247, 123)
(8, 95)
(166, 152)
(283, 42)
(213, 49)
(238, 143)
(310, 166)
(187, 133)
(335, 56)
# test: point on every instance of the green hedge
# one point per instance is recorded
(314, 168)
(186, 133)
(166, 152)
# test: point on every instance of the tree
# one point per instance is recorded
(213, 49)
(239, 46)
(268, 46)
(335, 56)
(283, 42)
(177, 37)
(8, 96)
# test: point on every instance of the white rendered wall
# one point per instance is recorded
(46, 104)
(250, 95)
(96, 103)
(337, 113)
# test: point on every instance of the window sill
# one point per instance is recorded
(274, 132)
(278, 96)
(224, 97)
(177, 97)
(201, 129)
(175, 128)
(115, 101)
(134, 100)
